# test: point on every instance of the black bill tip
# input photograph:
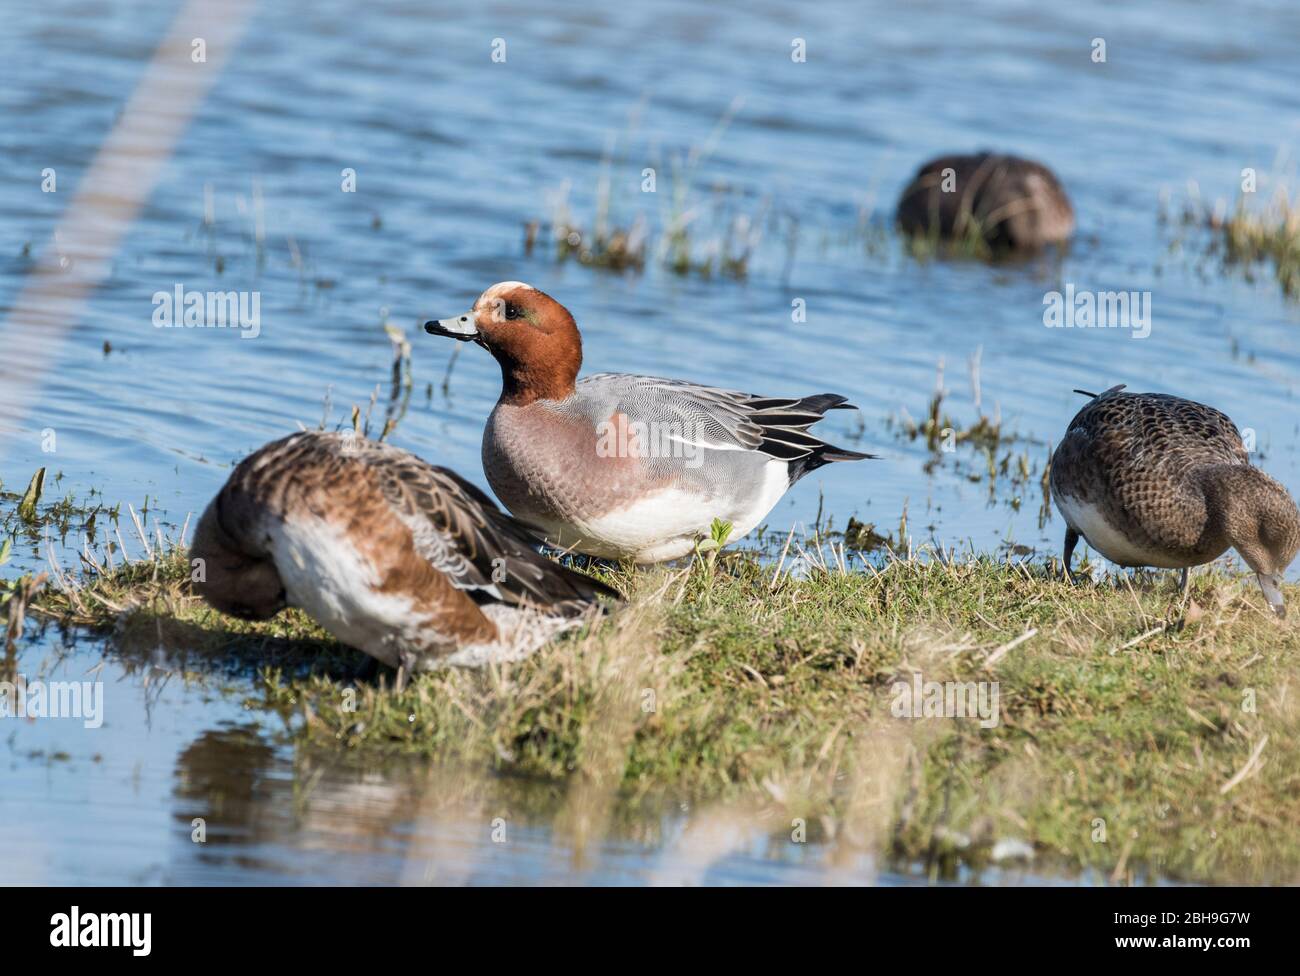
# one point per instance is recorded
(436, 328)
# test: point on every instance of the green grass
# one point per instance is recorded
(733, 685)
(971, 243)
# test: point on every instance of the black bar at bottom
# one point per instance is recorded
(342, 925)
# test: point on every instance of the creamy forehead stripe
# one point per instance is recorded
(503, 287)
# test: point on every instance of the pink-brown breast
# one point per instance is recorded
(545, 467)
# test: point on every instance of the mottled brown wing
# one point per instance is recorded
(1155, 428)
(462, 533)
(1133, 450)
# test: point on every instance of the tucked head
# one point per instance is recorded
(532, 336)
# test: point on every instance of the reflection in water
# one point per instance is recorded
(269, 817)
(277, 816)
(265, 813)
(226, 778)
(120, 804)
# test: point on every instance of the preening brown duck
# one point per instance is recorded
(1149, 479)
(403, 560)
(1014, 204)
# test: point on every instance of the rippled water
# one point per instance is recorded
(453, 154)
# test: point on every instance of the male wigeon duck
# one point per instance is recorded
(405, 561)
(621, 466)
(1154, 480)
(1014, 204)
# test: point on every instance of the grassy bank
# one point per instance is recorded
(1134, 736)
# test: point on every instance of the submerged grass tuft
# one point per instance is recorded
(970, 243)
(1251, 238)
(676, 226)
(981, 450)
(1246, 238)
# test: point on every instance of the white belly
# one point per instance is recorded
(1109, 541)
(667, 524)
(325, 576)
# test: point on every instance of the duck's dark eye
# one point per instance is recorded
(513, 311)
